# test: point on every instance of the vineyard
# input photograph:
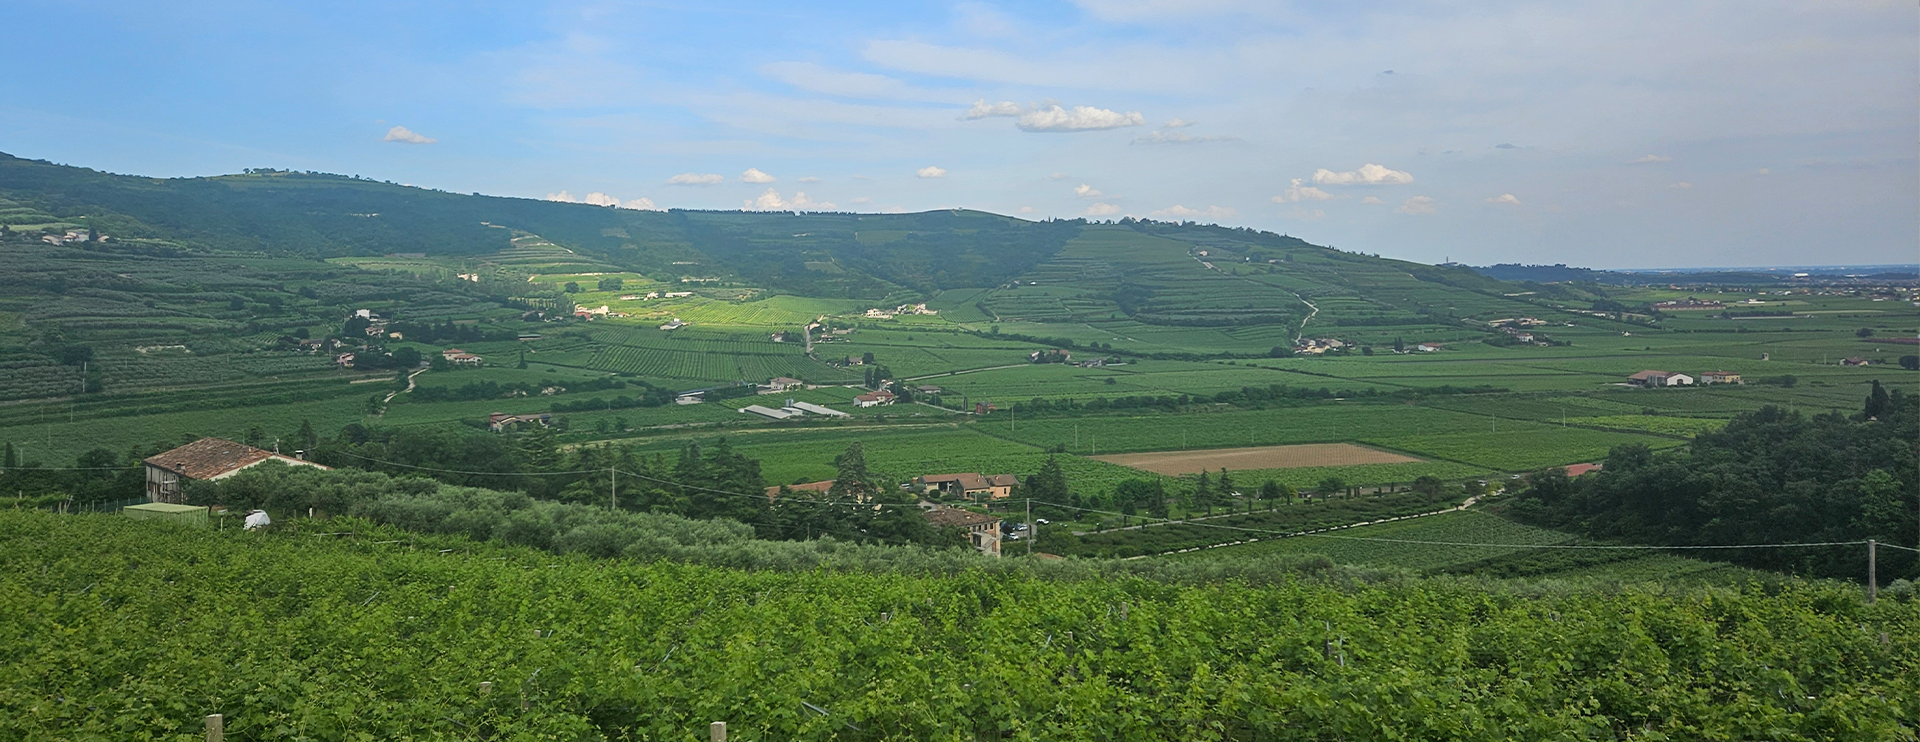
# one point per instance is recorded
(117, 629)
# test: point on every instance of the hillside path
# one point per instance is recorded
(1462, 506)
(1458, 508)
(391, 395)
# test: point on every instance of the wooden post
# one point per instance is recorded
(717, 731)
(486, 688)
(216, 728)
(1873, 575)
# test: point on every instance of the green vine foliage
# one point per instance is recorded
(112, 629)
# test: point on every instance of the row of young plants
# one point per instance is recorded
(134, 630)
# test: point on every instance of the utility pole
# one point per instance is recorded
(613, 486)
(1035, 530)
(1873, 576)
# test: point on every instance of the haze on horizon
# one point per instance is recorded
(1636, 134)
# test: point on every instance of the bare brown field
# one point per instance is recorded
(1175, 463)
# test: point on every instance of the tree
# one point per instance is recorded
(355, 327)
(1864, 332)
(1399, 346)
(853, 481)
(1272, 492)
(612, 284)
(255, 436)
(406, 357)
(1049, 485)
(572, 287)
(866, 358)
(302, 333)
(1910, 363)
(9, 458)
(305, 438)
(1330, 486)
(1878, 405)
(1428, 485)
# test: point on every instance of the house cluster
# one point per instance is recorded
(878, 313)
(874, 399)
(1517, 322)
(590, 313)
(1317, 346)
(1688, 304)
(1050, 356)
(460, 357)
(1856, 361)
(779, 384)
(1651, 379)
(967, 485)
(673, 324)
(500, 421)
(207, 459)
(73, 236)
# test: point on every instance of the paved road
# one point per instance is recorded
(391, 395)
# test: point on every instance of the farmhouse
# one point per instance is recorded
(460, 357)
(675, 324)
(1688, 304)
(1428, 348)
(968, 485)
(983, 531)
(873, 399)
(344, 359)
(207, 459)
(1678, 379)
(1855, 361)
(820, 487)
(1720, 377)
(1579, 469)
(1649, 378)
(782, 383)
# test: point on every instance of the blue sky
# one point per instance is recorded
(1619, 134)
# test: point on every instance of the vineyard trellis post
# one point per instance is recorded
(717, 731)
(216, 728)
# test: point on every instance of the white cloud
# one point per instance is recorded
(1643, 159)
(640, 204)
(1177, 124)
(1303, 213)
(982, 109)
(563, 197)
(1505, 199)
(1086, 191)
(1057, 176)
(1079, 118)
(821, 79)
(809, 179)
(984, 20)
(1765, 171)
(862, 200)
(931, 171)
(600, 199)
(1211, 212)
(1418, 205)
(1180, 137)
(1682, 184)
(1372, 200)
(1102, 209)
(771, 201)
(405, 135)
(1368, 174)
(697, 179)
(1296, 193)
(753, 175)
(1026, 210)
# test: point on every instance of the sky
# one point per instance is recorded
(1623, 134)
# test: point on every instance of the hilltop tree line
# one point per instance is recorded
(1769, 477)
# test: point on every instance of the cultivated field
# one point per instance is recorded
(1176, 463)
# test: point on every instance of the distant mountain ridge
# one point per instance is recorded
(1117, 275)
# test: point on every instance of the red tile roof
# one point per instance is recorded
(211, 457)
